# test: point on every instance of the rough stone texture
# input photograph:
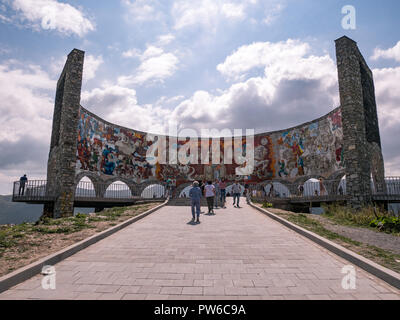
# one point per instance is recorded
(351, 130)
(62, 156)
(235, 254)
(360, 123)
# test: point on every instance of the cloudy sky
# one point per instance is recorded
(262, 64)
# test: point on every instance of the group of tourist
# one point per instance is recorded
(215, 193)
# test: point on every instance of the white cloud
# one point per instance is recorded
(156, 65)
(142, 10)
(209, 14)
(119, 105)
(388, 105)
(54, 15)
(90, 66)
(165, 39)
(294, 86)
(233, 10)
(272, 12)
(286, 59)
(391, 53)
(27, 94)
(189, 13)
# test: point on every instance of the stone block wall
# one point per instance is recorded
(62, 155)
(361, 143)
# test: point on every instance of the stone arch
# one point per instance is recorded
(181, 187)
(282, 188)
(184, 193)
(98, 191)
(312, 187)
(139, 188)
(154, 190)
(117, 189)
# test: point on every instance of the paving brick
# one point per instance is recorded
(227, 256)
(192, 290)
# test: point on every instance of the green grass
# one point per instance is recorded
(380, 256)
(315, 226)
(359, 218)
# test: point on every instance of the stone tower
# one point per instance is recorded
(362, 143)
(62, 155)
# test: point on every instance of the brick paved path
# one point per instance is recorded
(236, 254)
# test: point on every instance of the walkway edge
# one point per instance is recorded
(24, 273)
(385, 274)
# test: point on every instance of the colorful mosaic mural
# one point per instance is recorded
(311, 149)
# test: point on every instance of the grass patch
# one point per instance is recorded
(367, 217)
(378, 255)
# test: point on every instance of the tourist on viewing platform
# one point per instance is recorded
(195, 197)
(222, 190)
(209, 192)
(217, 193)
(236, 190)
(22, 182)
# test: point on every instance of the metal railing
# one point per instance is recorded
(31, 190)
(36, 191)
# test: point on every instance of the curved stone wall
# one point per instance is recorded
(109, 151)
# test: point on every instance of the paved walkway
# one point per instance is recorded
(235, 254)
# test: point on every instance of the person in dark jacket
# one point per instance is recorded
(195, 197)
(22, 182)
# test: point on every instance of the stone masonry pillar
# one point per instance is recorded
(62, 156)
(359, 117)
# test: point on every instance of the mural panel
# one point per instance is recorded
(112, 151)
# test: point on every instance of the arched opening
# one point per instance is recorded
(314, 188)
(85, 188)
(276, 189)
(185, 192)
(153, 191)
(118, 190)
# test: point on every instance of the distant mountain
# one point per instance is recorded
(19, 212)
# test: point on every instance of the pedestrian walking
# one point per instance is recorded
(222, 190)
(247, 192)
(209, 191)
(217, 193)
(195, 198)
(236, 190)
(22, 181)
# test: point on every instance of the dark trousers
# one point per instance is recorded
(195, 205)
(210, 204)
(223, 197)
(236, 196)
(21, 190)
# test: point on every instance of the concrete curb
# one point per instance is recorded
(22, 274)
(387, 275)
